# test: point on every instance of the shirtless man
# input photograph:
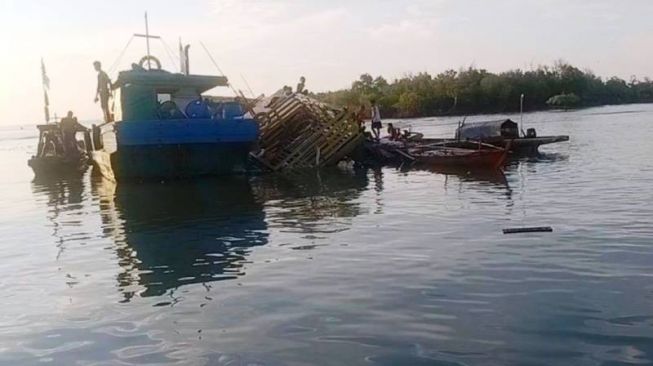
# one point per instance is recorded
(103, 92)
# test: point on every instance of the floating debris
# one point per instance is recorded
(539, 229)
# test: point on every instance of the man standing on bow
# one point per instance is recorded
(103, 92)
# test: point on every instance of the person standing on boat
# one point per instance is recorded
(103, 92)
(69, 127)
(301, 85)
(376, 120)
(393, 132)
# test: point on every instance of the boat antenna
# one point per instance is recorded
(217, 67)
(521, 113)
(147, 37)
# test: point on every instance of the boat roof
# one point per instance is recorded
(492, 123)
(161, 79)
(49, 127)
(480, 129)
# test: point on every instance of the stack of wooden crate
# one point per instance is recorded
(299, 132)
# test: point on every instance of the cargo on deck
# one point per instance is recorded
(297, 131)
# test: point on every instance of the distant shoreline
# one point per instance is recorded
(477, 91)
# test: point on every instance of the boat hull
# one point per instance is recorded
(520, 146)
(179, 161)
(479, 159)
(174, 149)
(55, 165)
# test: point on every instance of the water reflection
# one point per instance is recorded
(179, 233)
(64, 194)
(312, 201)
(494, 176)
(60, 190)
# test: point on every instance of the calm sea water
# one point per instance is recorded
(341, 267)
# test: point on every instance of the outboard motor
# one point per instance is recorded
(530, 133)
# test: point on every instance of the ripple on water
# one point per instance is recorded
(363, 267)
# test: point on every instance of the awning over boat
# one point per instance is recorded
(505, 128)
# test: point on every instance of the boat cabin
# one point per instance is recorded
(499, 129)
(51, 141)
(144, 95)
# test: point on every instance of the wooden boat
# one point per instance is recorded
(484, 157)
(463, 154)
(52, 159)
(452, 156)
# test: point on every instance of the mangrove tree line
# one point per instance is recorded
(473, 90)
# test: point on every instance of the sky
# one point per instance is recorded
(270, 43)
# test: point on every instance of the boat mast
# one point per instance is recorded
(46, 86)
(147, 41)
(147, 37)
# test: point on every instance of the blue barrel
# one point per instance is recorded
(198, 109)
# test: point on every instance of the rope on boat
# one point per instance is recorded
(168, 51)
(122, 53)
(217, 67)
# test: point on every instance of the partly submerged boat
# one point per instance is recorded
(52, 158)
(464, 154)
(459, 157)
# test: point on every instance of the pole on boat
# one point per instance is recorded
(521, 113)
(147, 41)
(46, 86)
(147, 37)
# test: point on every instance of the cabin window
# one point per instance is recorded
(163, 97)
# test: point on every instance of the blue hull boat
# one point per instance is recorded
(167, 129)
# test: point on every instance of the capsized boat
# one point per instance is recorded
(54, 158)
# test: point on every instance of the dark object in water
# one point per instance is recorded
(537, 229)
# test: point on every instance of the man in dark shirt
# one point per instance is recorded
(103, 92)
(301, 85)
(69, 127)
